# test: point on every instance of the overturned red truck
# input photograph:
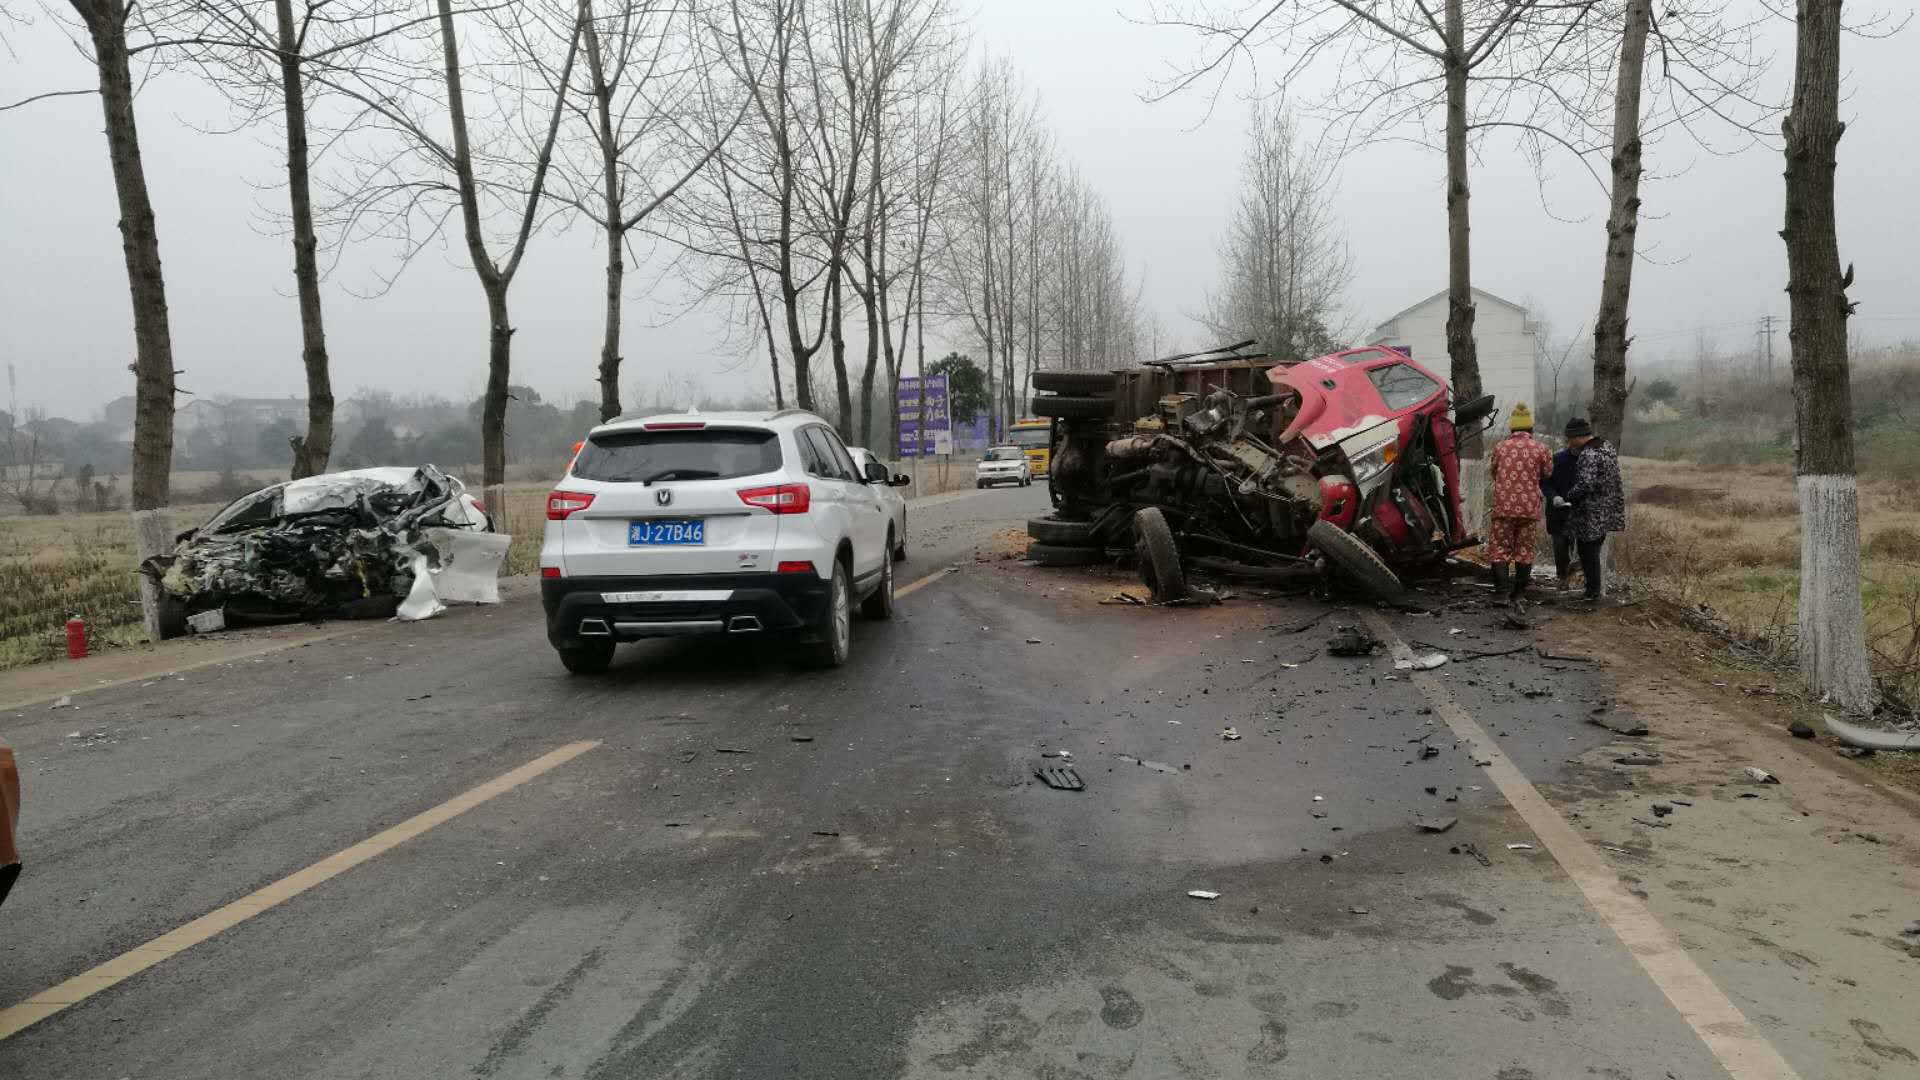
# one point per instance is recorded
(1229, 462)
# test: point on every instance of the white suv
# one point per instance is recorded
(722, 523)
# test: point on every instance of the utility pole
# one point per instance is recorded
(1767, 323)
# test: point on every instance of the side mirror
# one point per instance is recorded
(901, 479)
(876, 473)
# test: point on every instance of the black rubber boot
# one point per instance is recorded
(1522, 573)
(1500, 585)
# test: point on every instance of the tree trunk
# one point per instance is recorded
(493, 407)
(842, 392)
(614, 229)
(316, 446)
(1623, 222)
(1460, 345)
(1833, 647)
(146, 286)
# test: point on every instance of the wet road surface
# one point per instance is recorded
(760, 870)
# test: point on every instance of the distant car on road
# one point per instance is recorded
(896, 504)
(716, 523)
(1002, 465)
(9, 817)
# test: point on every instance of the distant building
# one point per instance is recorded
(241, 412)
(1502, 331)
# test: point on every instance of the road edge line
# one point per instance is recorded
(1732, 1039)
(920, 583)
(18, 1017)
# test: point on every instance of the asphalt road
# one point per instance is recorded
(704, 894)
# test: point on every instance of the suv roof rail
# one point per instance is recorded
(778, 413)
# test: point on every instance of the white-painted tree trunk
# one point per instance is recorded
(1833, 626)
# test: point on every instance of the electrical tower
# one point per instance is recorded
(1767, 324)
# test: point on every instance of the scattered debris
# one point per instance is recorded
(1652, 824)
(65, 700)
(1571, 658)
(1474, 654)
(1350, 640)
(1064, 755)
(1800, 729)
(825, 832)
(1359, 911)
(1230, 734)
(1638, 758)
(1913, 929)
(1478, 855)
(1156, 766)
(1761, 776)
(1062, 779)
(1661, 809)
(731, 750)
(1421, 663)
(1519, 847)
(1033, 641)
(1434, 825)
(1304, 624)
(1871, 738)
(1617, 725)
(1126, 598)
(207, 622)
(801, 738)
(1203, 894)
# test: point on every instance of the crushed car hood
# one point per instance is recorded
(346, 543)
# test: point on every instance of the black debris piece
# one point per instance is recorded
(1433, 825)
(1061, 779)
(1429, 752)
(1801, 729)
(1478, 856)
(1661, 809)
(1352, 641)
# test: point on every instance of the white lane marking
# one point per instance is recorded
(1728, 1034)
(17, 1018)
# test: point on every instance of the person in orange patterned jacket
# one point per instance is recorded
(1518, 463)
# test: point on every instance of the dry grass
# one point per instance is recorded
(1730, 539)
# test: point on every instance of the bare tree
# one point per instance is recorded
(1284, 265)
(1833, 646)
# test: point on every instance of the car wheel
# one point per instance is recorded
(1356, 557)
(1052, 530)
(978, 484)
(879, 605)
(1025, 480)
(173, 615)
(836, 628)
(1159, 558)
(586, 657)
(1057, 555)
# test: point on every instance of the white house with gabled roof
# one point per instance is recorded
(1501, 328)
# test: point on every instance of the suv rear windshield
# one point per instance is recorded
(642, 457)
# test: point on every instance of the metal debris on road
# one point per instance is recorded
(825, 832)
(1478, 856)
(1033, 641)
(801, 738)
(1061, 779)
(1433, 825)
(1761, 776)
(731, 750)
(1203, 894)
(1156, 766)
(1125, 598)
(1230, 734)
(1421, 663)
(1064, 755)
(1352, 641)
(1519, 847)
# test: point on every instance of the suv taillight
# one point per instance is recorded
(564, 504)
(781, 498)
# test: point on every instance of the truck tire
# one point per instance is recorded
(1072, 408)
(1356, 557)
(1052, 530)
(1057, 555)
(1075, 382)
(1160, 566)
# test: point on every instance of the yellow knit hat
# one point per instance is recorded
(1521, 419)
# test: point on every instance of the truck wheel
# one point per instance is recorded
(1073, 408)
(1058, 555)
(1356, 557)
(586, 657)
(1052, 530)
(1159, 558)
(1075, 382)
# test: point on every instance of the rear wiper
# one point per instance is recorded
(679, 474)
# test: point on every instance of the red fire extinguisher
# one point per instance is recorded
(76, 639)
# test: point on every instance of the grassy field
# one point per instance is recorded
(1730, 538)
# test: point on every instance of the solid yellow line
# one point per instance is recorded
(900, 594)
(17, 1018)
(1728, 1034)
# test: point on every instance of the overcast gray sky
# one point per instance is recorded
(1168, 176)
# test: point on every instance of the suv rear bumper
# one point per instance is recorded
(674, 605)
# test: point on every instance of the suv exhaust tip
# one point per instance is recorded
(595, 628)
(743, 624)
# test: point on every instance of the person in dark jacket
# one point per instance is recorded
(1554, 488)
(1598, 498)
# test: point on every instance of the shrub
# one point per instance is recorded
(1899, 543)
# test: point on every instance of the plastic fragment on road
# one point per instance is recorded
(65, 700)
(1203, 894)
(207, 622)
(421, 602)
(1869, 738)
(1761, 776)
(1421, 663)
(1061, 779)
(1230, 734)
(1519, 847)
(1434, 825)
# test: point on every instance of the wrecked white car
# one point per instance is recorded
(366, 543)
